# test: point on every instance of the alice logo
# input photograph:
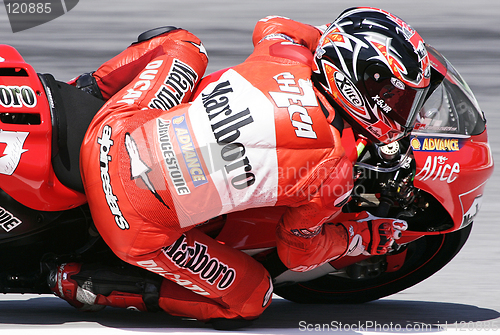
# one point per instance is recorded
(26, 14)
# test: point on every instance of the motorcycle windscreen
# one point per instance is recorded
(451, 109)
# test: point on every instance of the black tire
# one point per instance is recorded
(425, 257)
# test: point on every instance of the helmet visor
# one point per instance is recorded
(397, 101)
(407, 110)
(418, 102)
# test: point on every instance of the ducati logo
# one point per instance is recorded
(11, 155)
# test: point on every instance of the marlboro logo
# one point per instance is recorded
(197, 260)
(227, 126)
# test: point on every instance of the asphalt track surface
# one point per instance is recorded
(465, 292)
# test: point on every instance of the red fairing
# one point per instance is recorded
(456, 178)
(454, 168)
(26, 171)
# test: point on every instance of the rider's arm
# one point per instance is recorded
(122, 69)
(303, 249)
(316, 231)
(304, 239)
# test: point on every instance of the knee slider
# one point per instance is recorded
(147, 35)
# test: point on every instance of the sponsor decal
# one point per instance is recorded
(356, 243)
(200, 47)
(197, 260)
(226, 127)
(436, 167)
(169, 158)
(398, 83)
(269, 293)
(58, 278)
(11, 156)
(378, 129)
(143, 84)
(468, 215)
(415, 144)
(17, 96)
(277, 36)
(343, 199)
(472, 212)
(375, 122)
(7, 220)
(105, 142)
(436, 144)
(139, 169)
(428, 127)
(382, 104)
(191, 159)
(270, 17)
(306, 233)
(348, 89)
(151, 265)
(180, 79)
(296, 97)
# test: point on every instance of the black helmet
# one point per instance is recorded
(374, 69)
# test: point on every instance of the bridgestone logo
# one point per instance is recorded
(169, 158)
(197, 260)
(106, 143)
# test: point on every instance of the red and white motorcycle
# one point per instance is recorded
(434, 180)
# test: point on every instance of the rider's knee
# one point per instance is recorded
(260, 298)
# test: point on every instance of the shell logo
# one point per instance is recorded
(415, 144)
(178, 120)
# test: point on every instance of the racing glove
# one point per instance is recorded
(372, 235)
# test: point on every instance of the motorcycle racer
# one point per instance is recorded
(266, 132)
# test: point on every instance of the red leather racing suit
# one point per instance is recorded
(260, 135)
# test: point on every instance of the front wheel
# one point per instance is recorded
(424, 257)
